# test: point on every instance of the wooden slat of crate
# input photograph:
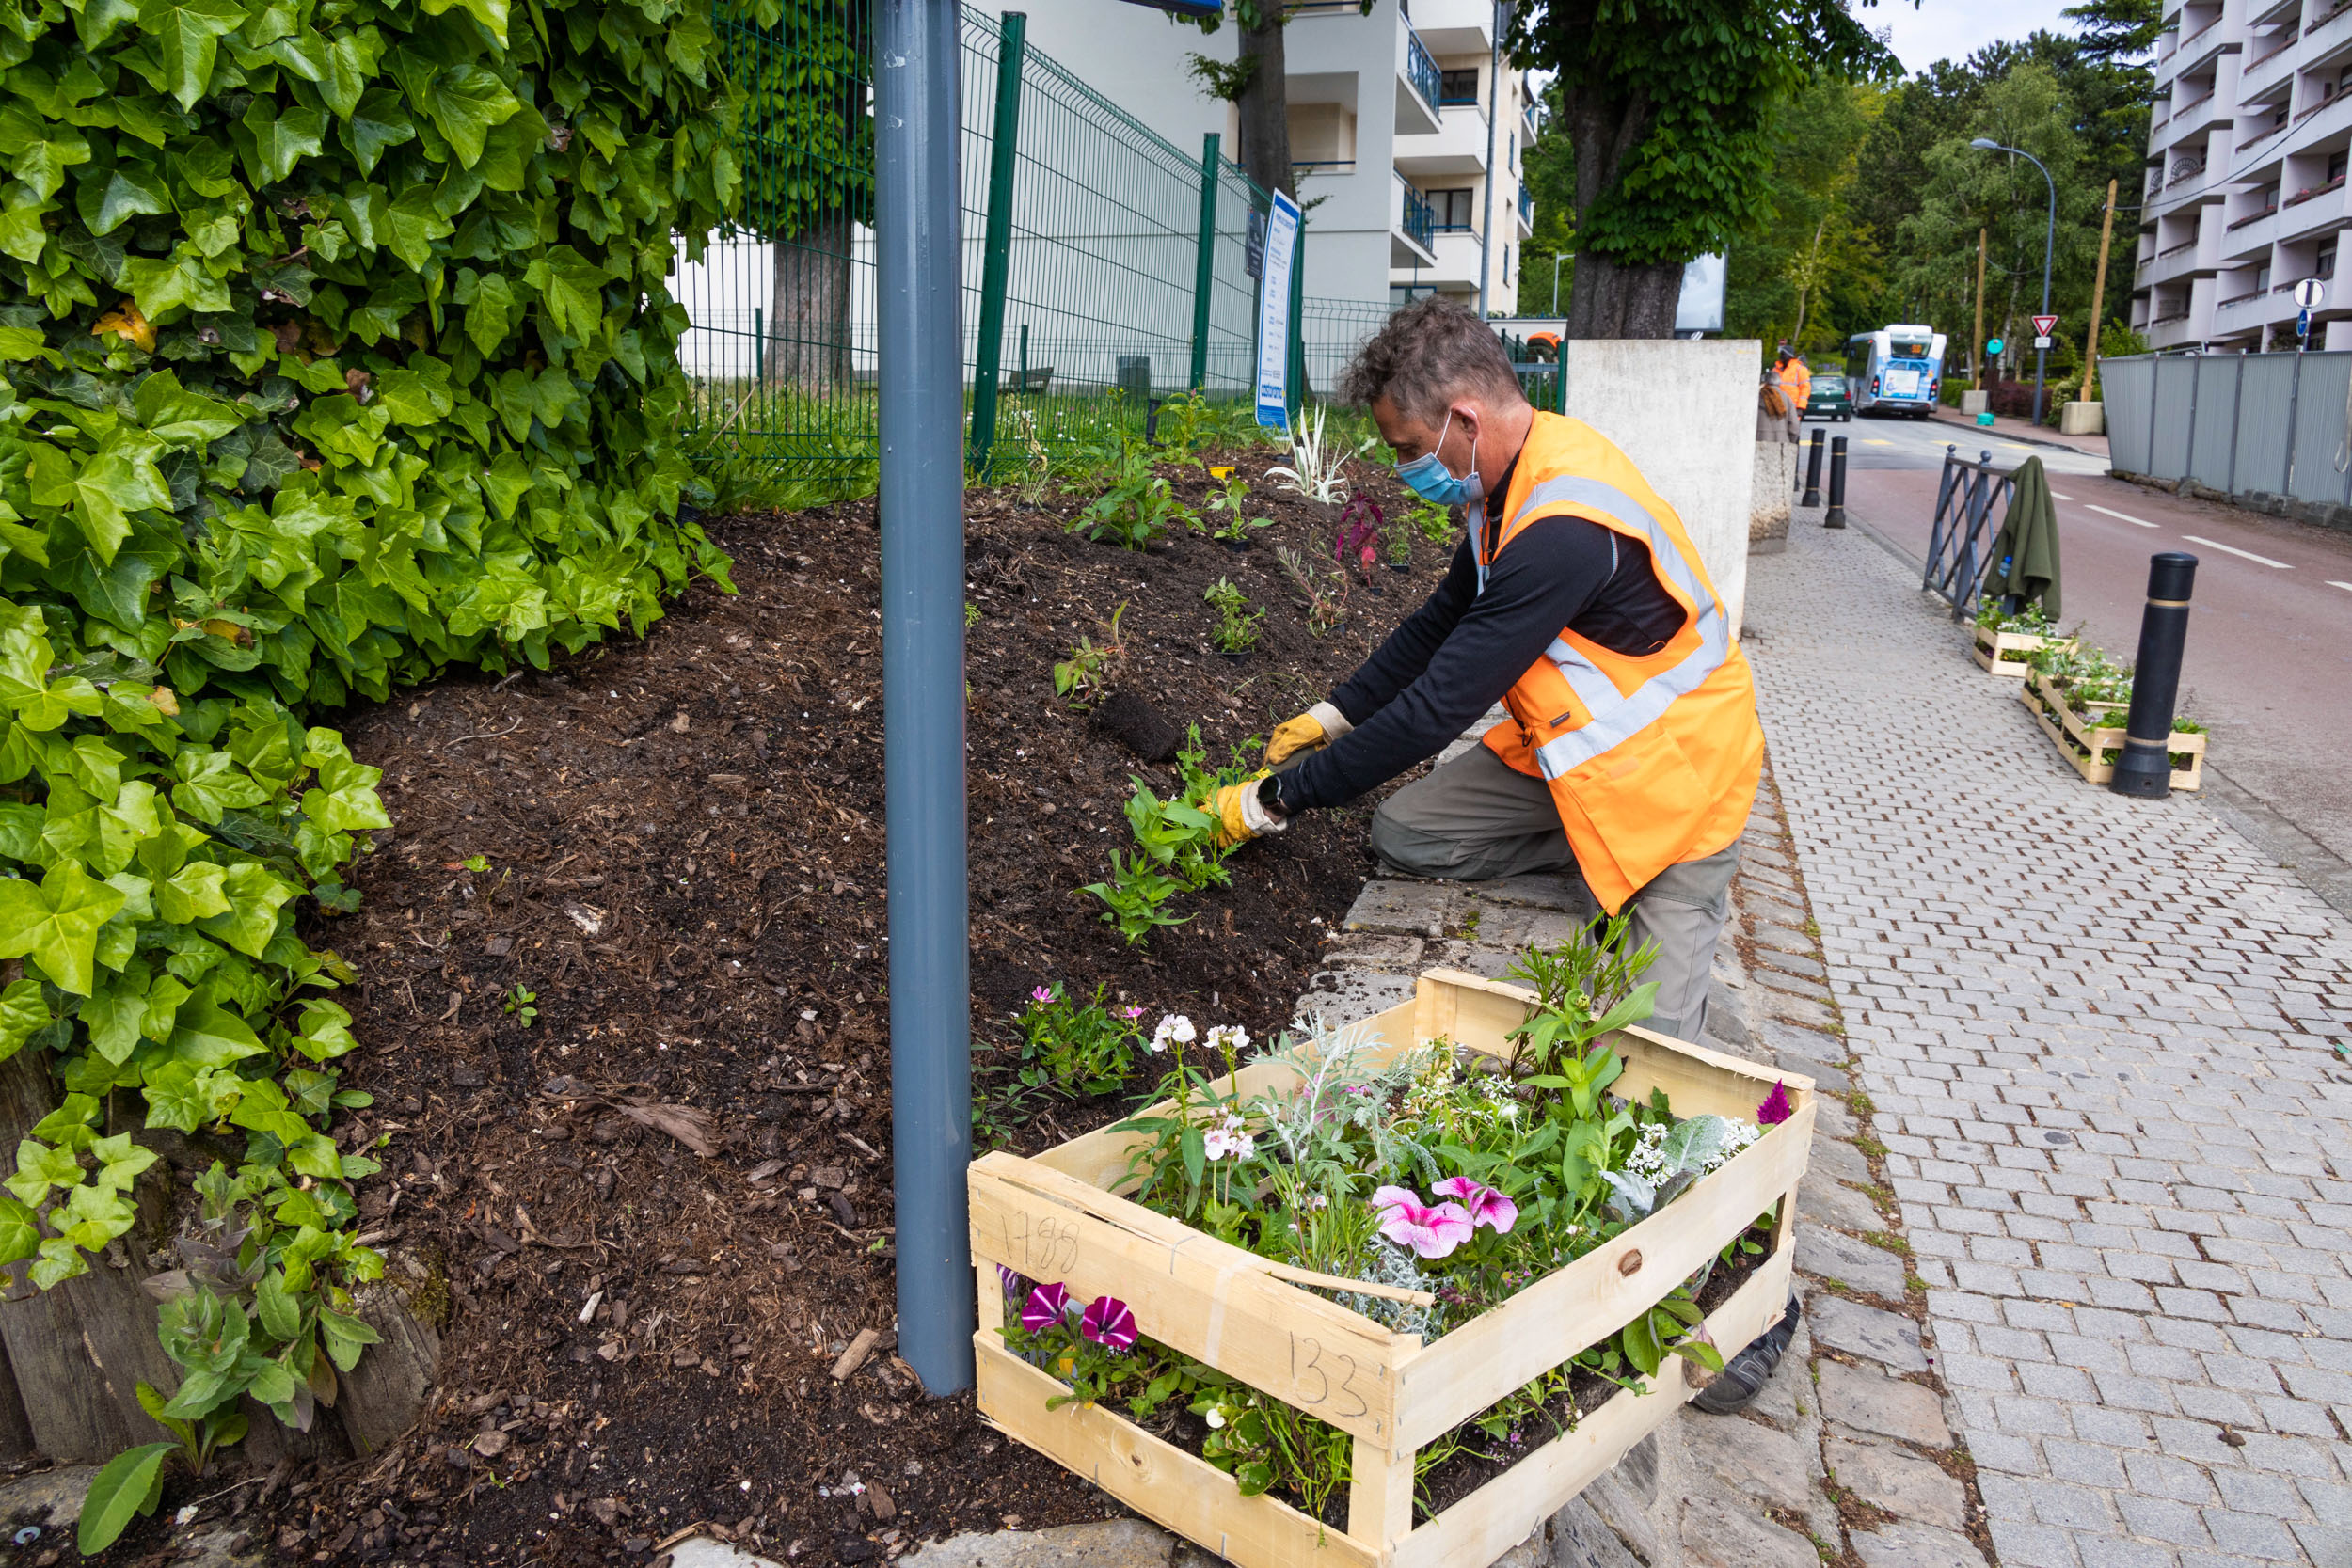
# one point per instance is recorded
(1156, 1479)
(1456, 1377)
(1510, 1508)
(2072, 740)
(1193, 1498)
(1201, 1296)
(1991, 649)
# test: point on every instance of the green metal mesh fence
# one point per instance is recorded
(1084, 262)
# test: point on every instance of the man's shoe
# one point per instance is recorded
(1744, 1375)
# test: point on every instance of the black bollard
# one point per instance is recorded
(2145, 768)
(1812, 471)
(1835, 516)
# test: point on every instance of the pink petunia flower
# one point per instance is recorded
(1432, 1231)
(1040, 994)
(1485, 1205)
(1108, 1322)
(1775, 1108)
(1046, 1306)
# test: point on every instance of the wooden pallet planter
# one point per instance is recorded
(2005, 653)
(1055, 1217)
(2083, 745)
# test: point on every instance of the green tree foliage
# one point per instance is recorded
(1811, 266)
(1674, 108)
(1547, 168)
(2086, 98)
(334, 351)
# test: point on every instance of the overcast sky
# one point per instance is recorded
(1954, 29)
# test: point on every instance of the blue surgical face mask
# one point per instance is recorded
(1428, 477)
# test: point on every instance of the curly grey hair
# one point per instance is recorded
(1428, 354)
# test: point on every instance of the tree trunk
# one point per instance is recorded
(1264, 105)
(1612, 300)
(808, 308)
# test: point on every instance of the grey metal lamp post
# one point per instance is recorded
(2049, 244)
(1557, 257)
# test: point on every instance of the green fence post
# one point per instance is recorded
(759, 347)
(1560, 375)
(1297, 377)
(996, 253)
(1204, 265)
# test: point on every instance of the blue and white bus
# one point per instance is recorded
(1896, 369)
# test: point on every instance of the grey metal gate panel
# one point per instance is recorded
(2262, 422)
(2175, 381)
(2217, 377)
(2124, 384)
(2320, 428)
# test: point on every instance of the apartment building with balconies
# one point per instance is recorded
(1389, 116)
(2245, 192)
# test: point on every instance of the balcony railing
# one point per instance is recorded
(1527, 206)
(1420, 222)
(2254, 217)
(1302, 168)
(1421, 71)
(2310, 192)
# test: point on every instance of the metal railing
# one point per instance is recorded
(1103, 265)
(1420, 222)
(1421, 71)
(1963, 528)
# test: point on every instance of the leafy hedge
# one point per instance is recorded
(334, 351)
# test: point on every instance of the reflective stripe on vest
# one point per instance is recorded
(1616, 717)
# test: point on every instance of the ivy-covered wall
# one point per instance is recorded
(334, 351)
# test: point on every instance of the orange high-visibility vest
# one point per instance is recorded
(1653, 759)
(1796, 379)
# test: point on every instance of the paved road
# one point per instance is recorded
(2269, 663)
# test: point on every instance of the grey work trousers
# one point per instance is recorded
(1477, 818)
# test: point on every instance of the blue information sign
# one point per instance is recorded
(1274, 314)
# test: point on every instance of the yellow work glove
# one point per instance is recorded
(1240, 816)
(1310, 731)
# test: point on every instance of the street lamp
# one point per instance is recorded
(2049, 243)
(1557, 257)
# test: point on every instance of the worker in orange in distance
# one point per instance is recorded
(1630, 758)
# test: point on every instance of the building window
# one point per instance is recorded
(1450, 209)
(2324, 265)
(2335, 166)
(1510, 159)
(1457, 86)
(1506, 266)
(2270, 198)
(2262, 279)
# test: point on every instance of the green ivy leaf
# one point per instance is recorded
(20, 1232)
(280, 140)
(55, 924)
(207, 1034)
(254, 897)
(133, 190)
(23, 1013)
(186, 37)
(40, 1167)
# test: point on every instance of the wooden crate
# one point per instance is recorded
(1057, 1218)
(2004, 653)
(2080, 743)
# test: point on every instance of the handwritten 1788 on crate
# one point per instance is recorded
(1059, 1218)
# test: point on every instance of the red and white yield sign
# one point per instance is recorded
(2044, 326)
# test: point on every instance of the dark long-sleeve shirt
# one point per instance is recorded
(1454, 658)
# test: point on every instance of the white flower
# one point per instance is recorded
(1174, 1028)
(1216, 1417)
(1217, 1143)
(1228, 1036)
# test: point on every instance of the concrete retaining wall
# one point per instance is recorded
(1685, 412)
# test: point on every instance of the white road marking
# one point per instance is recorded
(2057, 497)
(2120, 516)
(2345, 586)
(2232, 550)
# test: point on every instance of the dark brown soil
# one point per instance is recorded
(683, 840)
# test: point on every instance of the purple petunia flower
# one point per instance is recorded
(1432, 1231)
(1108, 1322)
(1485, 1205)
(1046, 1306)
(1775, 1108)
(1040, 994)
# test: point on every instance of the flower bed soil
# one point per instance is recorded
(684, 849)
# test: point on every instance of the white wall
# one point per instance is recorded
(1685, 412)
(1135, 56)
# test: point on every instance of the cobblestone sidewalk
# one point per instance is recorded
(2102, 1039)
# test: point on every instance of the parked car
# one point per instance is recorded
(1831, 400)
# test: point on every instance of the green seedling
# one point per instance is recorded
(1086, 676)
(1236, 623)
(519, 1003)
